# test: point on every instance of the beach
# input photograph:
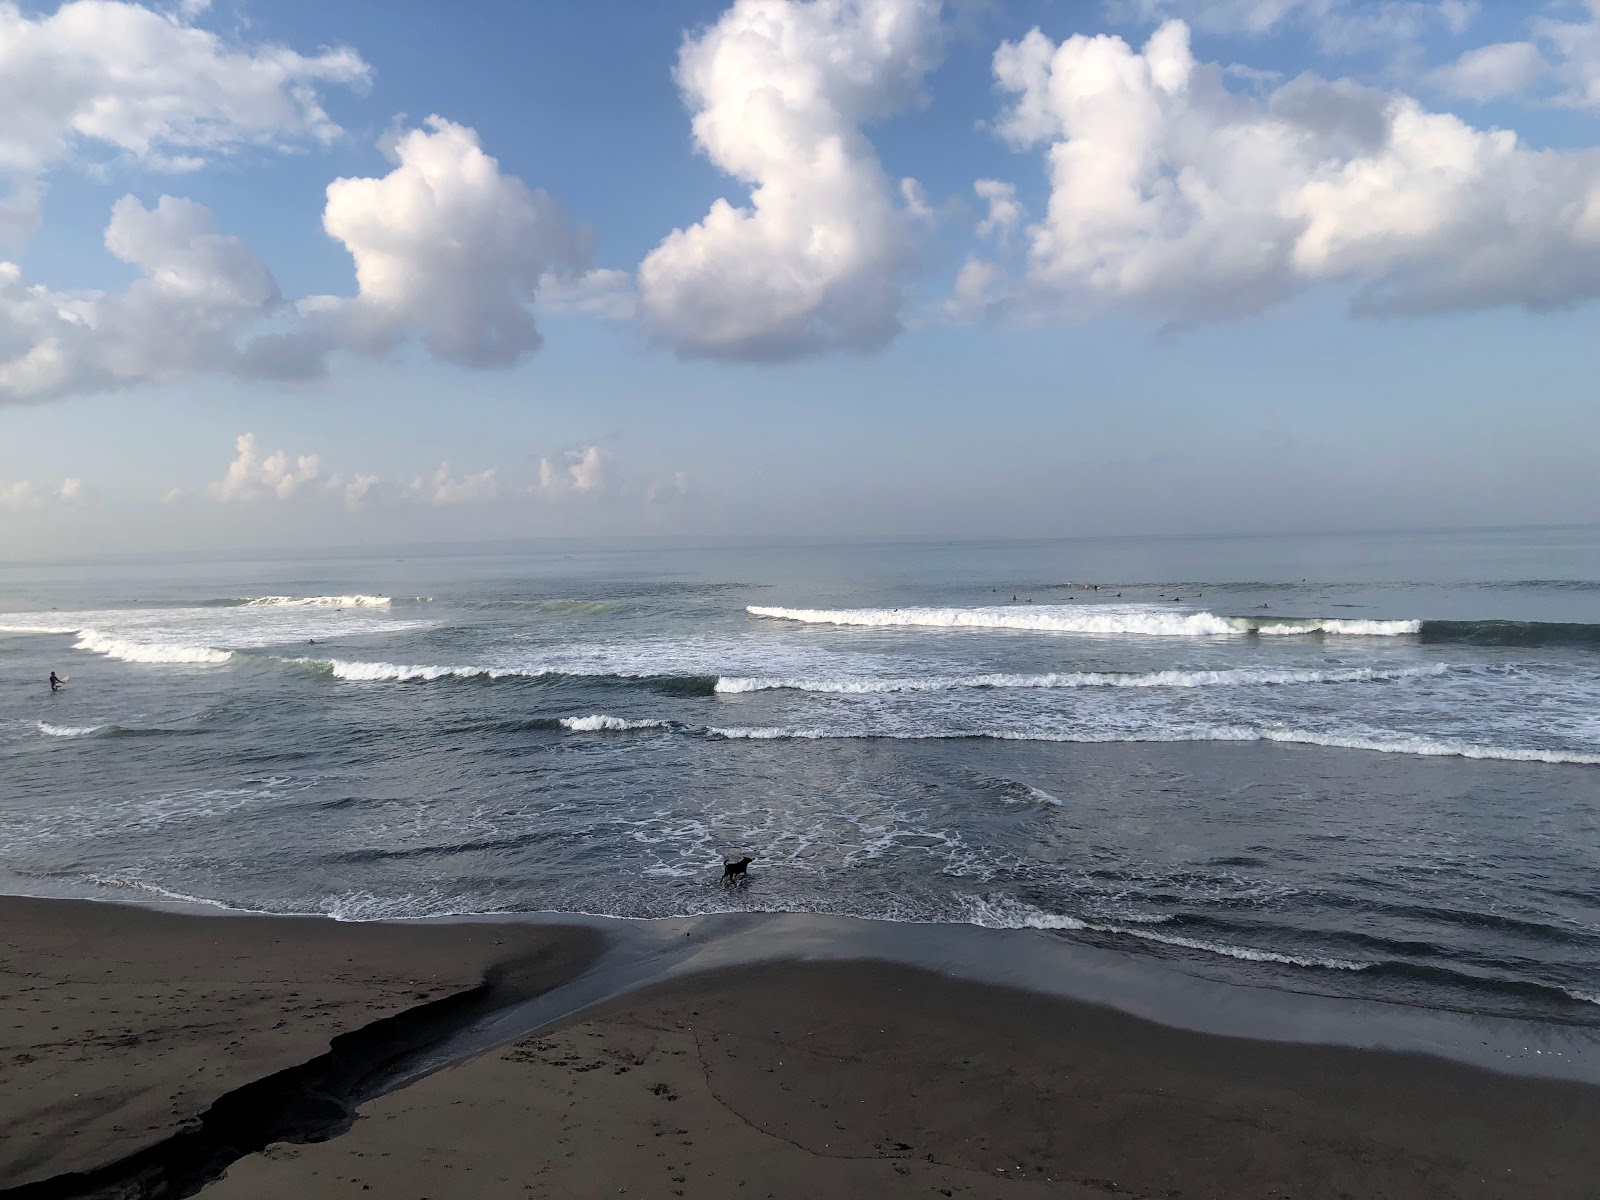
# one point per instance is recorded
(781, 1079)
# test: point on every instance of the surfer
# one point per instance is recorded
(55, 682)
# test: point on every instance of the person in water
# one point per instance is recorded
(55, 683)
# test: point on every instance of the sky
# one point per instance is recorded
(298, 274)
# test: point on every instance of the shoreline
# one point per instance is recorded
(137, 1028)
(1173, 991)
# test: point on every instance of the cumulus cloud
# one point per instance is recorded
(198, 291)
(585, 470)
(1490, 72)
(1575, 47)
(354, 489)
(446, 247)
(103, 80)
(21, 495)
(450, 247)
(441, 488)
(254, 477)
(780, 90)
(1174, 195)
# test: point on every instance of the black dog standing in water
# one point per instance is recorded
(735, 870)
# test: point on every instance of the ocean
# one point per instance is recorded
(1359, 765)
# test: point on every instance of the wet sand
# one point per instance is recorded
(120, 1025)
(783, 1080)
(864, 1079)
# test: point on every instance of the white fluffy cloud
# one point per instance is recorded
(441, 488)
(100, 79)
(1172, 194)
(586, 471)
(1490, 72)
(780, 90)
(22, 494)
(199, 290)
(1574, 45)
(275, 476)
(449, 246)
(446, 247)
(355, 489)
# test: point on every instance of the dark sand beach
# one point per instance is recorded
(785, 1079)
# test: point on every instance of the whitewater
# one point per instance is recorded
(1344, 773)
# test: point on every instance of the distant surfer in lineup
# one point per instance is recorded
(55, 682)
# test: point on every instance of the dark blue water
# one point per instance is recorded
(1363, 765)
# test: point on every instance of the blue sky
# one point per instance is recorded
(1241, 266)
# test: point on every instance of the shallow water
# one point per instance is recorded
(1384, 782)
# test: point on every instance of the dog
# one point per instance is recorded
(735, 870)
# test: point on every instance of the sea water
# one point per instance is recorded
(1348, 764)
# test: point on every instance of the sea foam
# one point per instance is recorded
(1379, 743)
(1135, 619)
(147, 652)
(1237, 677)
(601, 723)
(1054, 618)
(356, 601)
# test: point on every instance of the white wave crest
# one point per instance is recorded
(1415, 744)
(386, 672)
(1053, 618)
(67, 731)
(1242, 677)
(1005, 913)
(318, 601)
(1247, 953)
(1381, 743)
(1336, 625)
(600, 723)
(1142, 620)
(147, 652)
(13, 625)
(152, 889)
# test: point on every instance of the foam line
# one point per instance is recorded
(1242, 677)
(1103, 619)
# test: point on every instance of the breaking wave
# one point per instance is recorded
(1241, 677)
(357, 601)
(1281, 626)
(387, 672)
(1055, 618)
(147, 652)
(1390, 744)
(1148, 620)
(68, 731)
(600, 723)
(1142, 620)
